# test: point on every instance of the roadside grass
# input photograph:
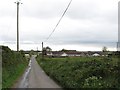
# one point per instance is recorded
(9, 77)
(13, 66)
(0, 80)
(83, 72)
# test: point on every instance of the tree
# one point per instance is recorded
(104, 49)
(48, 49)
(31, 52)
(22, 52)
(64, 50)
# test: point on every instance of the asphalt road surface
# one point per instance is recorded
(35, 77)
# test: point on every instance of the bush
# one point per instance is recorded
(83, 72)
(13, 65)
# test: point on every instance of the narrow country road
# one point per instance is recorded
(35, 77)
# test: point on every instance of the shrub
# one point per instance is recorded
(13, 65)
(83, 72)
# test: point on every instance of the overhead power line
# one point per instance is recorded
(59, 21)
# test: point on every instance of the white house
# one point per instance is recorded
(49, 54)
(96, 54)
(64, 54)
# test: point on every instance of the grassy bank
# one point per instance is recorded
(83, 72)
(13, 66)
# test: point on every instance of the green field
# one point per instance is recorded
(13, 66)
(83, 72)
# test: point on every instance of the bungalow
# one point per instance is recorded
(72, 54)
(49, 54)
(96, 54)
(56, 54)
(64, 54)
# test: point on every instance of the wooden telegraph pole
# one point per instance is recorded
(42, 52)
(18, 2)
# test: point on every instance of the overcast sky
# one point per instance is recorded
(87, 25)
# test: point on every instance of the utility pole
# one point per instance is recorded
(18, 2)
(37, 51)
(42, 52)
(118, 46)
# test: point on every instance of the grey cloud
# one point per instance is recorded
(101, 33)
(85, 22)
(7, 38)
(88, 43)
(80, 10)
(90, 11)
(42, 10)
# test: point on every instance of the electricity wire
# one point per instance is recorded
(58, 22)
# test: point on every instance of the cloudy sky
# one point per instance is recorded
(87, 25)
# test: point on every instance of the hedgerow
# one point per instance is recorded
(83, 72)
(13, 66)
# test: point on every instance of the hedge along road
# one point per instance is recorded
(35, 77)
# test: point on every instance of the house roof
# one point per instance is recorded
(57, 52)
(96, 54)
(73, 52)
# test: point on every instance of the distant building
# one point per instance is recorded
(74, 53)
(96, 54)
(68, 53)
(57, 54)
